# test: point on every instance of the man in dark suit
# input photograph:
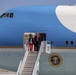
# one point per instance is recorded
(37, 40)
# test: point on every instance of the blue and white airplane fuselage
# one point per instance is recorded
(58, 22)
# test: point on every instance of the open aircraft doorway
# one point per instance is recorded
(26, 38)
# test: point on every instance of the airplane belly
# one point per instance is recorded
(68, 66)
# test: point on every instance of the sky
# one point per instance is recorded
(9, 4)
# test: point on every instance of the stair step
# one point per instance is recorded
(27, 70)
(26, 73)
(29, 65)
(34, 52)
(30, 61)
(31, 57)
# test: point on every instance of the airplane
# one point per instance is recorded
(58, 24)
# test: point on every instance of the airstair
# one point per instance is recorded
(30, 63)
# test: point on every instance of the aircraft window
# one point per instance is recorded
(66, 42)
(51, 42)
(71, 42)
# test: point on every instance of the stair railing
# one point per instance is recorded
(36, 67)
(22, 63)
(18, 71)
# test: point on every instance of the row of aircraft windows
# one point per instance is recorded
(71, 42)
(66, 42)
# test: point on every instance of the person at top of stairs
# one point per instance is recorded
(37, 40)
(31, 42)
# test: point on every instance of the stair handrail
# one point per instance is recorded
(36, 67)
(20, 68)
(25, 56)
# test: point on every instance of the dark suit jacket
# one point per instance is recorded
(39, 40)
